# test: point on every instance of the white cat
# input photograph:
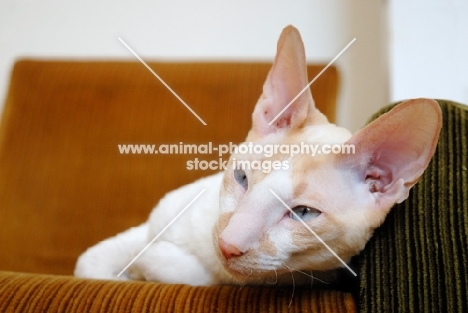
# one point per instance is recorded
(240, 230)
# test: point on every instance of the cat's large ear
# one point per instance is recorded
(286, 79)
(392, 152)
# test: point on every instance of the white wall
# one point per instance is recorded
(429, 49)
(204, 29)
(365, 65)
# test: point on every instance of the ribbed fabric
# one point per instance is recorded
(416, 261)
(48, 293)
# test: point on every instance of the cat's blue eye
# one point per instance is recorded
(241, 178)
(304, 213)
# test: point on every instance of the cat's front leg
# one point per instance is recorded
(166, 262)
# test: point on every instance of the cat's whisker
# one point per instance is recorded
(311, 275)
(293, 281)
(276, 280)
(306, 274)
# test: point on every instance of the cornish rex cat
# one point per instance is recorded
(248, 225)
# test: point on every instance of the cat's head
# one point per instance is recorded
(341, 197)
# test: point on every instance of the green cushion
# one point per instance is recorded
(416, 261)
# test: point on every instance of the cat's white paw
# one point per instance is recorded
(109, 257)
(165, 262)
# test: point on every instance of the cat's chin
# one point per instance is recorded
(247, 275)
(253, 277)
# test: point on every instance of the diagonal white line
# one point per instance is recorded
(160, 233)
(314, 233)
(162, 81)
(312, 81)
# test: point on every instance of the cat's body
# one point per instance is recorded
(184, 253)
(242, 229)
(191, 235)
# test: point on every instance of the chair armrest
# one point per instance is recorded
(22, 292)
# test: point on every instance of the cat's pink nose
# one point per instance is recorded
(229, 251)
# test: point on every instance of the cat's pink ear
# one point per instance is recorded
(393, 151)
(286, 79)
